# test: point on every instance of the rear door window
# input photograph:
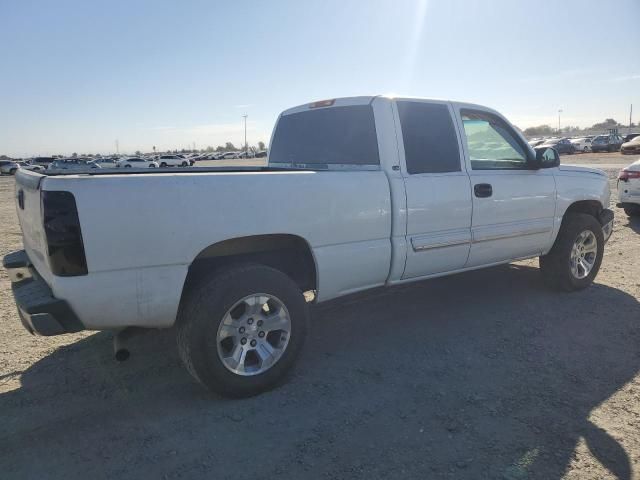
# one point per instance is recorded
(429, 138)
(326, 137)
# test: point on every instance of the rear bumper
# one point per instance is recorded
(40, 312)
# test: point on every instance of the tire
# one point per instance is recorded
(163, 165)
(127, 166)
(632, 210)
(13, 171)
(585, 149)
(556, 266)
(184, 164)
(212, 301)
(151, 165)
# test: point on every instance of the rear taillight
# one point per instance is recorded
(625, 175)
(63, 234)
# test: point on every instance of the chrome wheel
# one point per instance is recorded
(253, 334)
(583, 254)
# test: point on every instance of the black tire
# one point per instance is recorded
(202, 310)
(184, 164)
(556, 265)
(127, 166)
(632, 210)
(163, 165)
(585, 149)
(13, 171)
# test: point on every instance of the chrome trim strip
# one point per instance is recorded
(504, 236)
(452, 243)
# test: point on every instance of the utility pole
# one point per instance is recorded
(117, 147)
(559, 112)
(246, 147)
(630, 117)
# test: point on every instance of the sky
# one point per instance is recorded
(77, 75)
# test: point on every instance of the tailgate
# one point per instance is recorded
(30, 217)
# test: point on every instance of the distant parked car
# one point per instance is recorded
(27, 165)
(261, 154)
(171, 161)
(630, 136)
(629, 189)
(79, 164)
(562, 145)
(42, 161)
(135, 162)
(582, 144)
(607, 143)
(631, 146)
(228, 155)
(8, 167)
(534, 142)
(245, 155)
(106, 162)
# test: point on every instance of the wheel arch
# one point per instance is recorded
(288, 253)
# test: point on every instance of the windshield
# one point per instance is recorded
(336, 136)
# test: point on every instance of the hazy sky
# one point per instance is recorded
(77, 75)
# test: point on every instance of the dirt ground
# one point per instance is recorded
(480, 375)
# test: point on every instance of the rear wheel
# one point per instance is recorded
(184, 164)
(12, 171)
(127, 166)
(163, 164)
(151, 165)
(240, 330)
(632, 210)
(585, 149)
(574, 261)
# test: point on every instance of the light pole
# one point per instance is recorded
(246, 148)
(559, 112)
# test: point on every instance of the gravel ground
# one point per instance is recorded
(479, 375)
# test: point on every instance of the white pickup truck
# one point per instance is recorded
(358, 193)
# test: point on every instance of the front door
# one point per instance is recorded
(513, 205)
(437, 189)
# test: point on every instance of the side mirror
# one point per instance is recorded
(545, 158)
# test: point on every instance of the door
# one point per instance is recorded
(513, 206)
(437, 188)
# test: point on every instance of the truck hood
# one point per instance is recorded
(581, 169)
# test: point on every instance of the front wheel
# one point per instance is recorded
(163, 164)
(240, 330)
(184, 164)
(127, 166)
(575, 258)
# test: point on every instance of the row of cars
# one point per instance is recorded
(596, 143)
(143, 161)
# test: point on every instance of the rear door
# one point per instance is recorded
(437, 188)
(513, 206)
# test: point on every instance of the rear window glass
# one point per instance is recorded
(323, 137)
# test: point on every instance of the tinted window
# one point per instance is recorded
(429, 137)
(492, 143)
(327, 136)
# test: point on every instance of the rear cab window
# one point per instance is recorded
(429, 137)
(337, 137)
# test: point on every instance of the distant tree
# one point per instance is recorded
(608, 123)
(4, 157)
(538, 131)
(74, 154)
(219, 148)
(209, 149)
(138, 153)
(229, 146)
(261, 146)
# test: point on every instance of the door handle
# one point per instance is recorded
(483, 190)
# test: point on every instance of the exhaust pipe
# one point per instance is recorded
(121, 340)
